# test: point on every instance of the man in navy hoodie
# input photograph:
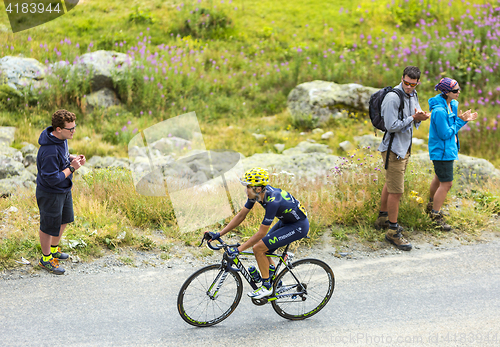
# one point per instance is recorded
(53, 187)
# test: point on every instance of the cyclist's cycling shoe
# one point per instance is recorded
(260, 293)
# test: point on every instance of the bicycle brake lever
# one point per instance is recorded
(231, 269)
(230, 260)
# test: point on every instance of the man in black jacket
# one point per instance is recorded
(53, 187)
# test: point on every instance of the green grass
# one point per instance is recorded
(242, 64)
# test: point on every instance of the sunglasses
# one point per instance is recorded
(454, 91)
(410, 84)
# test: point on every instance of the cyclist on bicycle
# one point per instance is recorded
(292, 225)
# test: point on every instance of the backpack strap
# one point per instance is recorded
(400, 115)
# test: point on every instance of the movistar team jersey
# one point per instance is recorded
(280, 204)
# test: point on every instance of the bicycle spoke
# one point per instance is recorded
(198, 306)
(314, 289)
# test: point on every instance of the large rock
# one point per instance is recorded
(22, 72)
(10, 167)
(7, 135)
(103, 67)
(99, 162)
(324, 100)
(467, 169)
(308, 147)
(103, 98)
(13, 176)
(306, 160)
(170, 145)
(370, 141)
(10, 186)
(12, 153)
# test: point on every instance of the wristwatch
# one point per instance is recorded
(71, 168)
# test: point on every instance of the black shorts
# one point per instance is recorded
(55, 210)
(282, 234)
(444, 170)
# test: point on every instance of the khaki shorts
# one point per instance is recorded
(395, 174)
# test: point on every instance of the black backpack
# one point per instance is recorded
(375, 111)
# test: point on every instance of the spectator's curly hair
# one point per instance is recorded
(60, 117)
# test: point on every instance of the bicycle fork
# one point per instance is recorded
(218, 281)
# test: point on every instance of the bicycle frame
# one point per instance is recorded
(226, 267)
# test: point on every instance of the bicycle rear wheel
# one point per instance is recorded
(304, 298)
(209, 296)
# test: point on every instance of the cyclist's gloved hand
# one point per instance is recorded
(233, 252)
(211, 235)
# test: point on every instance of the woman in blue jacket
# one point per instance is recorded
(446, 121)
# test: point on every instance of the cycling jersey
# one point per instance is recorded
(280, 204)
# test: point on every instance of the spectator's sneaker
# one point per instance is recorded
(52, 265)
(382, 222)
(439, 221)
(395, 237)
(260, 293)
(60, 255)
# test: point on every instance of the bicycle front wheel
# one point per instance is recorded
(304, 291)
(209, 296)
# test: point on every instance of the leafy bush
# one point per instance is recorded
(204, 24)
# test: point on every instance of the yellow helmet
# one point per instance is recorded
(255, 177)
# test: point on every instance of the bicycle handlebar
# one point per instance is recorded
(215, 248)
(221, 244)
(207, 237)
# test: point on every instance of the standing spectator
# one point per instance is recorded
(53, 187)
(446, 121)
(402, 127)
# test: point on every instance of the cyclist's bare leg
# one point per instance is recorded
(259, 250)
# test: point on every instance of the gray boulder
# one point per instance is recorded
(29, 153)
(328, 135)
(370, 140)
(11, 186)
(7, 135)
(103, 98)
(29, 148)
(170, 145)
(280, 147)
(468, 169)
(104, 67)
(99, 162)
(12, 153)
(22, 72)
(29, 160)
(346, 146)
(13, 176)
(10, 167)
(307, 160)
(308, 147)
(323, 100)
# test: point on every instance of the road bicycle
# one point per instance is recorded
(213, 292)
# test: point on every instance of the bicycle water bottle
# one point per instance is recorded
(255, 274)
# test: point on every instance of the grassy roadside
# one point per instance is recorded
(111, 215)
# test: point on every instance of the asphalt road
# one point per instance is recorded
(420, 298)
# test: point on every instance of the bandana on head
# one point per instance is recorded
(446, 85)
